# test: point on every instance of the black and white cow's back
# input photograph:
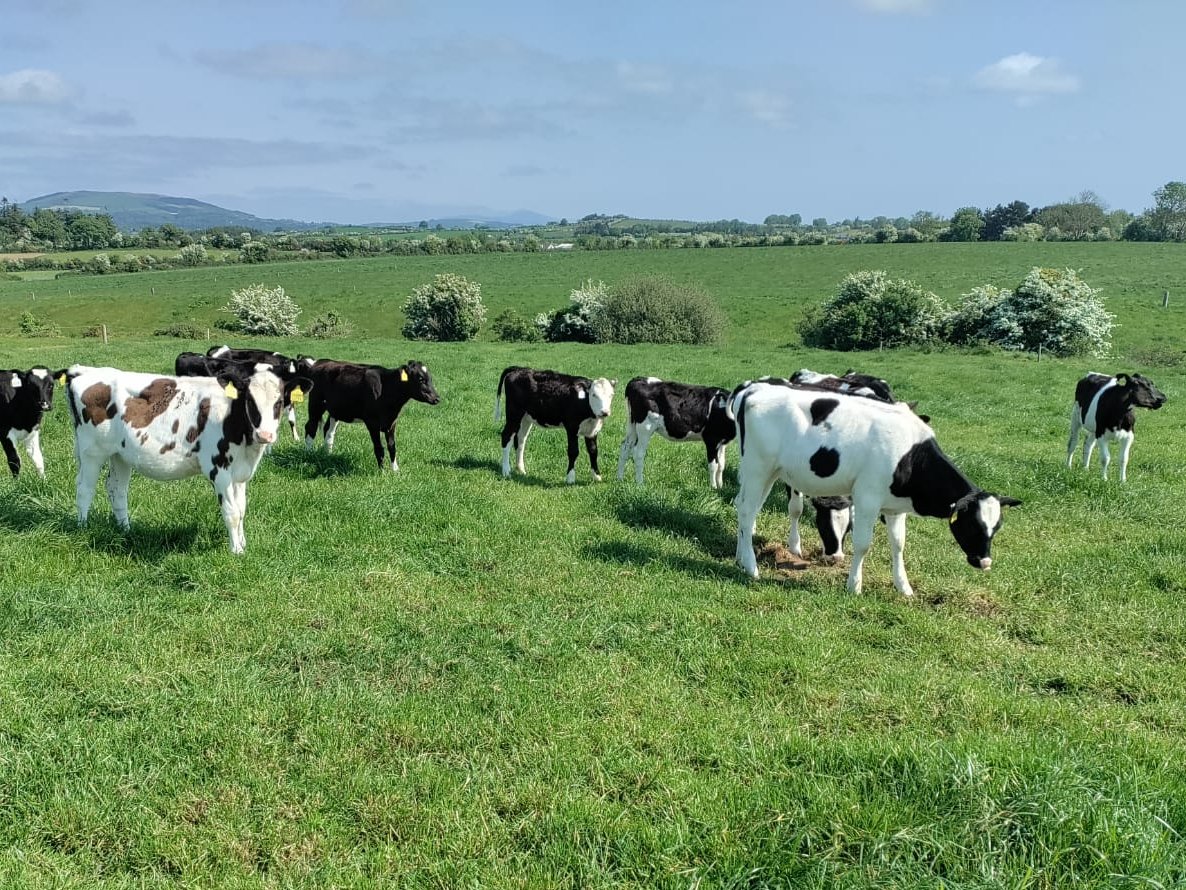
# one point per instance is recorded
(1103, 409)
(549, 399)
(679, 412)
(882, 455)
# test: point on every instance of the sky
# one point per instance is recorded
(359, 111)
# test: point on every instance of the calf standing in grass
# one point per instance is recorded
(882, 455)
(680, 412)
(25, 396)
(1104, 408)
(548, 398)
(172, 428)
(347, 392)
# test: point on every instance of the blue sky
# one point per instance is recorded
(386, 110)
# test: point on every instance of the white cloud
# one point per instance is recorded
(638, 78)
(299, 61)
(32, 86)
(1027, 76)
(773, 109)
(894, 7)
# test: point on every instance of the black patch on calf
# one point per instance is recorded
(928, 478)
(821, 408)
(825, 462)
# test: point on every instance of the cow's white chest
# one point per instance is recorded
(590, 427)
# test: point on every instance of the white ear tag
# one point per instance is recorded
(16, 382)
(580, 394)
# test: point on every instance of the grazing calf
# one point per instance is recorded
(883, 456)
(285, 368)
(680, 412)
(1104, 408)
(850, 382)
(347, 392)
(172, 428)
(548, 398)
(25, 396)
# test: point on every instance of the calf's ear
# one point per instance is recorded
(296, 387)
(1123, 378)
(1007, 501)
(231, 385)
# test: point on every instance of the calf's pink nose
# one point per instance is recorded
(986, 563)
(265, 436)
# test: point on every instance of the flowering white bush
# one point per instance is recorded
(447, 308)
(192, 255)
(575, 322)
(263, 310)
(1030, 231)
(1052, 309)
(871, 311)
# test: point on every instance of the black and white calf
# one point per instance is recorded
(549, 398)
(1104, 408)
(347, 392)
(285, 368)
(881, 455)
(850, 383)
(680, 412)
(25, 396)
(172, 428)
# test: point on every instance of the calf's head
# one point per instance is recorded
(1141, 391)
(35, 387)
(257, 398)
(601, 396)
(975, 518)
(415, 376)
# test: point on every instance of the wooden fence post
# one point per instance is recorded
(104, 335)
(1165, 300)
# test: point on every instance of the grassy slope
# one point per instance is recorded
(441, 678)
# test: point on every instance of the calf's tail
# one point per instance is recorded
(498, 396)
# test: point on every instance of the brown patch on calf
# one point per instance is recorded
(176, 425)
(153, 401)
(169, 447)
(200, 424)
(97, 406)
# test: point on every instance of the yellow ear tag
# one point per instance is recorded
(62, 379)
(954, 517)
(297, 395)
(231, 392)
(403, 375)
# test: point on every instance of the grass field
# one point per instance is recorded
(440, 678)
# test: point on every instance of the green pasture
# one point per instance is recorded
(439, 678)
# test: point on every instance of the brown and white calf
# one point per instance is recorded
(347, 392)
(1104, 408)
(679, 412)
(550, 399)
(173, 428)
(883, 456)
(25, 396)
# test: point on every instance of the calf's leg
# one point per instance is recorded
(624, 454)
(755, 488)
(84, 486)
(33, 447)
(864, 518)
(591, 450)
(1125, 437)
(574, 451)
(794, 513)
(119, 477)
(14, 459)
(895, 524)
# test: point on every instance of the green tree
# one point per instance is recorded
(1168, 217)
(966, 225)
(1004, 216)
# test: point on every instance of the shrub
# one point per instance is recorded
(448, 308)
(267, 311)
(254, 252)
(183, 330)
(330, 326)
(32, 326)
(655, 309)
(192, 255)
(871, 311)
(511, 327)
(574, 323)
(977, 318)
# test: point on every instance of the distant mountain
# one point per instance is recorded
(133, 211)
